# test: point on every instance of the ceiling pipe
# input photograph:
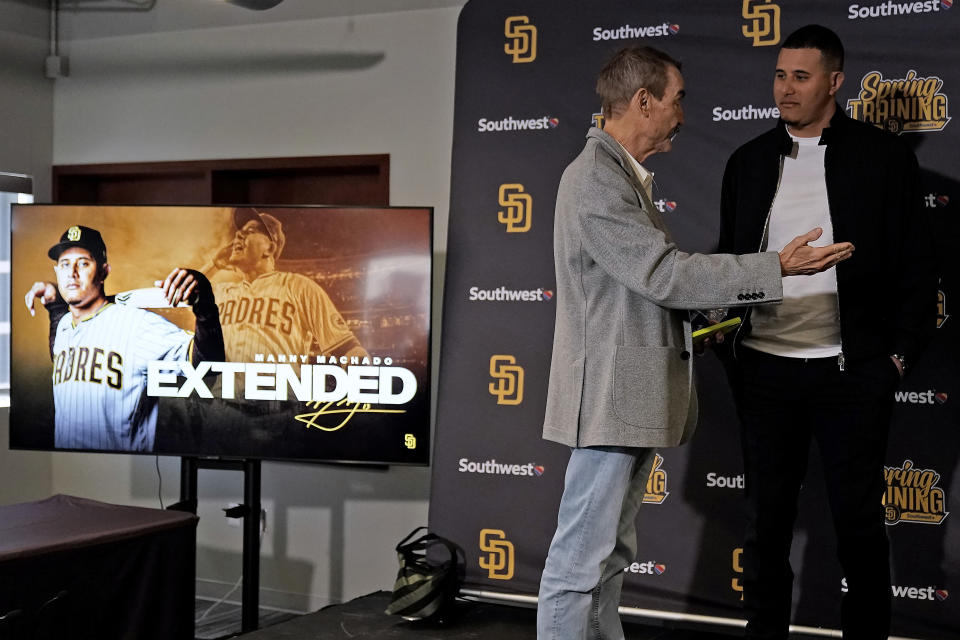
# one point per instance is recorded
(110, 5)
(55, 65)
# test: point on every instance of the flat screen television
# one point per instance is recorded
(324, 314)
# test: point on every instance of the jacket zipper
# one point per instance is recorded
(841, 359)
(763, 239)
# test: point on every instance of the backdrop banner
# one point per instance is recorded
(525, 98)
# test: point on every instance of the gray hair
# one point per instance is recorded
(631, 69)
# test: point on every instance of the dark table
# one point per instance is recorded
(82, 569)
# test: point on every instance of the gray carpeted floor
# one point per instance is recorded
(364, 619)
(214, 621)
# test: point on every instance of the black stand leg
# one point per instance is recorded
(188, 485)
(251, 524)
(251, 544)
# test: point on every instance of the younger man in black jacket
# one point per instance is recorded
(825, 362)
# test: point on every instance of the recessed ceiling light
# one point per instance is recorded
(256, 5)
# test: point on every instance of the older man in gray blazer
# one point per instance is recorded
(621, 377)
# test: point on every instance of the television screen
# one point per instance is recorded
(294, 333)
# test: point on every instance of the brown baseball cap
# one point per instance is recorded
(80, 236)
(243, 215)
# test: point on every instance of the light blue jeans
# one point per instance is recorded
(596, 539)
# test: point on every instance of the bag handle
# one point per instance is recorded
(410, 535)
(405, 547)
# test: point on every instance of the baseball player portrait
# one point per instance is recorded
(267, 311)
(265, 314)
(100, 349)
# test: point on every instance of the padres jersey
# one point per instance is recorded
(100, 377)
(279, 313)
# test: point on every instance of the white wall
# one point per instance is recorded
(369, 84)
(26, 96)
(26, 118)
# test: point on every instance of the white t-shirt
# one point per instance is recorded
(807, 323)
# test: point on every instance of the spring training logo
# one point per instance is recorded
(901, 105)
(912, 495)
(656, 491)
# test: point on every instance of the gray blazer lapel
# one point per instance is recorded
(648, 207)
(655, 216)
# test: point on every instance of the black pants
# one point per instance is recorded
(784, 403)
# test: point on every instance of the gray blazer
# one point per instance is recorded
(621, 372)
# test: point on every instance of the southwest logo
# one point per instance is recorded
(521, 39)
(665, 206)
(892, 8)
(492, 467)
(748, 112)
(901, 105)
(764, 22)
(502, 294)
(630, 32)
(646, 568)
(920, 397)
(933, 200)
(543, 123)
(909, 593)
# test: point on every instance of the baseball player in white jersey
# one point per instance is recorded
(100, 350)
(269, 311)
(264, 312)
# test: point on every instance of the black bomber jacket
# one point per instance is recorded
(888, 289)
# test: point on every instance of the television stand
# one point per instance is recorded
(250, 512)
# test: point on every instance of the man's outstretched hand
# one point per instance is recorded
(798, 258)
(45, 292)
(186, 285)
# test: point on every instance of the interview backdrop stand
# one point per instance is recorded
(250, 512)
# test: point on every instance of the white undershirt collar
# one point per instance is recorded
(645, 177)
